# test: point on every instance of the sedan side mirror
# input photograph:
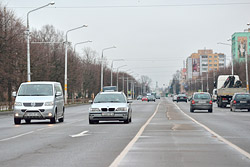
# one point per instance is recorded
(90, 101)
(129, 101)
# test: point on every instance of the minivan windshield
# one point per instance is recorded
(110, 98)
(201, 96)
(36, 90)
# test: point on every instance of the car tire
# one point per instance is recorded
(249, 109)
(62, 118)
(53, 120)
(27, 121)
(191, 110)
(127, 120)
(210, 110)
(17, 121)
(91, 121)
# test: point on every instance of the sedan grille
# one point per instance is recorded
(108, 109)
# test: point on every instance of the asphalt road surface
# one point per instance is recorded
(162, 133)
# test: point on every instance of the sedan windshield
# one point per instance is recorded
(36, 90)
(243, 97)
(110, 98)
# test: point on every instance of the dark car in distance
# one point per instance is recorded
(201, 101)
(240, 101)
(181, 97)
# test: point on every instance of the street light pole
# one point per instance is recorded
(66, 62)
(111, 75)
(102, 65)
(28, 39)
(232, 60)
(117, 81)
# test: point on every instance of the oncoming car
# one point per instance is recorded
(110, 106)
(151, 98)
(39, 100)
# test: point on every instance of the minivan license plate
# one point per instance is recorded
(32, 114)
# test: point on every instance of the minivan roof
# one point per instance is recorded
(41, 82)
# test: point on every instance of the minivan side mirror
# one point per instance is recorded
(14, 94)
(58, 94)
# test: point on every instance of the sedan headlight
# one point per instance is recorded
(18, 104)
(94, 109)
(51, 103)
(122, 109)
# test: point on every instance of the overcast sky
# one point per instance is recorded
(154, 37)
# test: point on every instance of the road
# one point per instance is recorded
(162, 133)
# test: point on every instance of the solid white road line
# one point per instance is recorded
(132, 142)
(17, 136)
(241, 151)
(80, 134)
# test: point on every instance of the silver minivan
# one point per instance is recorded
(39, 100)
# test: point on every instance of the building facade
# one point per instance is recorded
(240, 45)
(203, 62)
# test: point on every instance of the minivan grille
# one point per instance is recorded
(33, 104)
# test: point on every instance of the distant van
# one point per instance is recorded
(39, 100)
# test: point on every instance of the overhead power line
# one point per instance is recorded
(141, 6)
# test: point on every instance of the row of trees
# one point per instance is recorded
(48, 60)
(207, 80)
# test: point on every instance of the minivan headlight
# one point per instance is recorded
(94, 109)
(18, 104)
(122, 109)
(51, 103)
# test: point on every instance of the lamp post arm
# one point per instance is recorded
(73, 30)
(35, 10)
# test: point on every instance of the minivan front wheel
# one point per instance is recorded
(62, 118)
(53, 120)
(17, 121)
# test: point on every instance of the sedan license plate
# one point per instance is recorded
(32, 114)
(243, 101)
(202, 101)
(109, 114)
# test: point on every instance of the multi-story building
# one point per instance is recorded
(204, 61)
(240, 45)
